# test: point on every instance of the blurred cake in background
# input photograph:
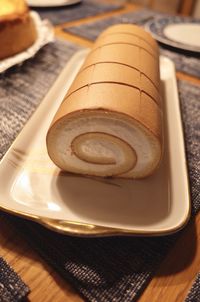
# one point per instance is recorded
(17, 29)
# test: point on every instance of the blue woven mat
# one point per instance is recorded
(12, 288)
(194, 293)
(87, 8)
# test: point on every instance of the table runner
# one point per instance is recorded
(101, 269)
(85, 9)
(184, 61)
(12, 288)
(194, 293)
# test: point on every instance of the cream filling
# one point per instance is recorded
(101, 144)
(113, 155)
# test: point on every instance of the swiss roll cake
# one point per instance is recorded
(110, 121)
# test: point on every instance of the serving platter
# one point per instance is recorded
(176, 31)
(34, 188)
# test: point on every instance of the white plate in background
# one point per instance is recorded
(185, 33)
(176, 31)
(51, 3)
(34, 188)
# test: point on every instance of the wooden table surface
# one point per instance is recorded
(170, 283)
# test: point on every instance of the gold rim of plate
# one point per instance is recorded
(90, 230)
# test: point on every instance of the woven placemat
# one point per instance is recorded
(87, 8)
(101, 269)
(194, 293)
(184, 61)
(12, 288)
(92, 29)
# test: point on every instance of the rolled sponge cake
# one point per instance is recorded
(110, 121)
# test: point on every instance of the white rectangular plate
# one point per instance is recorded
(33, 187)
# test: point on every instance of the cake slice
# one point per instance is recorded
(17, 29)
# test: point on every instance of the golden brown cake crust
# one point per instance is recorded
(12, 9)
(17, 29)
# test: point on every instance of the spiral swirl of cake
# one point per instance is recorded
(110, 121)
